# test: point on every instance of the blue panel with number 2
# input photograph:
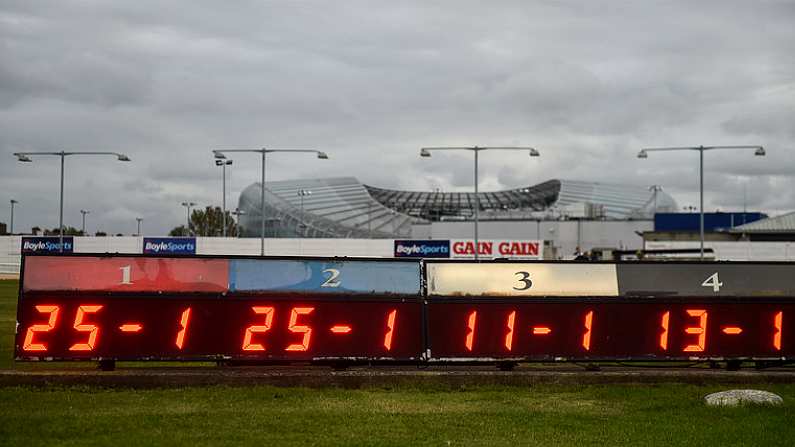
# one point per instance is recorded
(325, 276)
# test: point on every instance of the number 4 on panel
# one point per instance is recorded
(714, 282)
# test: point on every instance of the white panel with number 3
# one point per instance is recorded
(521, 279)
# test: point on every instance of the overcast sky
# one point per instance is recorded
(587, 83)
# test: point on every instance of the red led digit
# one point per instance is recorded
(586, 337)
(130, 327)
(700, 330)
(28, 344)
(300, 329)
(92, 329)
(341, 329)
(251, 330)
(471, 320)
(777, 320)
(541, 330)
(509, 335)
(732, 330)
(390, 329)
(183, 324)
(664, 335)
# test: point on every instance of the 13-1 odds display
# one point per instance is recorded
(316, 309)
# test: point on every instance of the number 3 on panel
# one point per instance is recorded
(525, 280)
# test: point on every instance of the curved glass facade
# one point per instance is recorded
(342, 207)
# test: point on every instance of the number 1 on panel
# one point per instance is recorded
(125, 275)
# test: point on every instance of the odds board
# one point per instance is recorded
(132, 307)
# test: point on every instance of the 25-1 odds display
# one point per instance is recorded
(316, 309)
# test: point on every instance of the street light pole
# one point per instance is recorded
(139, 220)
(25, 157)
(237, 213)
(13, 202)
(644, 153)
(84, 212)
(654, 190)
(219, 154)
(426, 152)
(302, 193)
(188, 206)
(223, 164)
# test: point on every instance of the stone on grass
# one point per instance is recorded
(733, 398)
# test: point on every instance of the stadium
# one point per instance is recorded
(343, 207)
(568, 213)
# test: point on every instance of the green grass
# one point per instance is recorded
(8, 319)
(550, 415)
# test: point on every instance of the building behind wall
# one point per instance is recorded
(570, 214)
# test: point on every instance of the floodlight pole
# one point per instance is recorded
(84, 212)
(758, 151)
(188, 206)
(13, 202)
(219, 154)
(25, 157)
(223, 164)
(426, 152)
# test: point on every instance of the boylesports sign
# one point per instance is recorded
(170, 245)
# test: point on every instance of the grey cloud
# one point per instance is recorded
(587, 84)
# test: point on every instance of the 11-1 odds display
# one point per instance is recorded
(315, 309)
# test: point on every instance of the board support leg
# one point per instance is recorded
(106, 365)
(733, 365)
(506, 366)
(593, 367)
(340, 366)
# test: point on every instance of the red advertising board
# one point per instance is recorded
(498, 248)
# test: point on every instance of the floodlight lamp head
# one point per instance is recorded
(23, 157)
(322, 155)
(760, 152)
(14, 201)
(219, 155)
(534, 153)
(425, 152)
(643, 154)
(123, 157)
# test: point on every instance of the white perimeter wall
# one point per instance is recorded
(10, 247)
(736, 251)
(725, 251)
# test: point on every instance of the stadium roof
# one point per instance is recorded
(344, 207)
(779, 224)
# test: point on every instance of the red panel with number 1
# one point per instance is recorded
(126, 274)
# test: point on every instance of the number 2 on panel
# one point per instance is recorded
(331, 281)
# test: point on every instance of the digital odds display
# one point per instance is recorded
(212, 308)
(79, 307)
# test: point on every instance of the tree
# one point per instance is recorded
(207, 222)
(178, 231)
(67, 231)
